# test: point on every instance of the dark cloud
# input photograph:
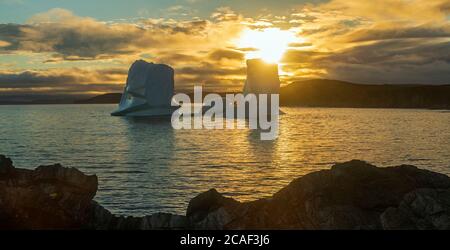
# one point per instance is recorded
(434, 73)
(74, 38)
(12, 34)
(87, 41)
(220, 54)
(396, 53)
(400, 33)
(70, 80)
(190, 28)
(186, 83)
(172, 58)
(402, 44)
(299, 45)
(392, 62)
(301, 56)
(210, 69)
(29, 79)
(209, 75)
(246, 49)
(119, 72)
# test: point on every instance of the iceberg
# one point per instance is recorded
(148, 91)
(262, 78)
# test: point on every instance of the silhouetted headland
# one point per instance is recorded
(109, 98)
(351, 195)
(339, 94)
(321, 93)
(331, 93)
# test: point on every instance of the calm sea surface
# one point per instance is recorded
(146, 166)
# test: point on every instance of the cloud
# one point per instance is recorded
(386, 41)
(171, 58)
(53, 77)
(10, 35)
(396, 10)
(229, 54)
(205, 70)
(302, 56)
(65, 38)
(396, 52)
(373, 42)
(423, 31)
(300, 45)
(4, 44)
(392, 62)
(225, 14)
(70, 37)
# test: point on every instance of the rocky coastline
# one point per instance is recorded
(352, 195)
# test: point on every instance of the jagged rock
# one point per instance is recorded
(211, 210)
(50, 197)
(102, 219)
(420, 209)
(5, 165)
(352, 195)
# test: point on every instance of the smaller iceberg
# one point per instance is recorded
(148, 92)
(262, 78)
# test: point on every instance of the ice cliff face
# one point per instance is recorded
(149, 90)
(262, 78)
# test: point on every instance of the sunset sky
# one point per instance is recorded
(86, 47)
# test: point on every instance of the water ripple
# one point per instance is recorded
(146, 167)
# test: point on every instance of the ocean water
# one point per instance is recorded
(145, 166)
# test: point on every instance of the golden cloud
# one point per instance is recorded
(386, 41)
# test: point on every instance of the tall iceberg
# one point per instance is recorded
(262, 78)
(148, 91)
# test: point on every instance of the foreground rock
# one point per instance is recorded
(352, 195)
(47, 197)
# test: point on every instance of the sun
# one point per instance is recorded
(269, 44)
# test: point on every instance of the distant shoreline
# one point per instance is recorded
(319, 93)
(445, 110)
(285, 106)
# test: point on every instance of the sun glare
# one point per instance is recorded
(270, 44)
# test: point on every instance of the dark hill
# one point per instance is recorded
(331, 93)
(105, 99)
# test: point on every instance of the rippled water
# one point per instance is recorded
(146, 166)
